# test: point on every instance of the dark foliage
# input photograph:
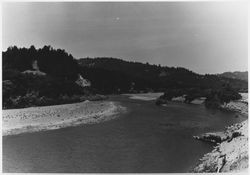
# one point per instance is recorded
(54, 62)
(22, 90)
(214, 97)
(219, 96)
(116, 75)
(107, 76)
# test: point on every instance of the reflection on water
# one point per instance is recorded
(147, 139)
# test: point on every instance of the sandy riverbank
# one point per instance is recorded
(231, 152)
(145, 96)
(16, 121)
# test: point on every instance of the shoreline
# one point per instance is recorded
(231, 152)
(34, 119)
(144, 96)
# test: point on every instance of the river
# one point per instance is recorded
(146, 139)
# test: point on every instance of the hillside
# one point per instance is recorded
(235, 75)
(48, 76)
(134, 76)
(37, 77)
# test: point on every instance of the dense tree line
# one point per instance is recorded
(214, 97)
(112, 74)
(107, 76)
(55, 62)
(55, 87)
(144, 77)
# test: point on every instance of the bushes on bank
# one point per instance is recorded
(221, 96)
(214, 97)
(27, 90)
(213, 102)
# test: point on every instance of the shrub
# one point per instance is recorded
(213, 102)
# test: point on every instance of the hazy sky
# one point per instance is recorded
(206, 37)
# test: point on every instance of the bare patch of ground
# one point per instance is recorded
(16, 121)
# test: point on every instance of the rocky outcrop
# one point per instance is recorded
(231, 152)
(82, 82)
(216, 137)
(238, 106)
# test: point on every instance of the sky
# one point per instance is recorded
(206, 37)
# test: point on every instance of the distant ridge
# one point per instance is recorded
(235, 75)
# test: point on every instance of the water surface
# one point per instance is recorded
(148, 138)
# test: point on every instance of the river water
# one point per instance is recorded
(146, 139)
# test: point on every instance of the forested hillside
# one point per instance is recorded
(133, 76)
(39, 77)
(49, 76)
(235, 75)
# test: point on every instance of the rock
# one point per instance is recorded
(82, 82)
(217, 137)
(231, 153)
